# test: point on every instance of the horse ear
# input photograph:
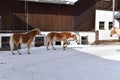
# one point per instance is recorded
(39, 27)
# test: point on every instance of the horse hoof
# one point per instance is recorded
(64, 49)
(19, 53)
(29, 53)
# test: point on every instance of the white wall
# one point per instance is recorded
(106, 16)
(91, 36)
(9, 34)
(101, 15)
(5, 35)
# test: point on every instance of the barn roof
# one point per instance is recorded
(68, 2)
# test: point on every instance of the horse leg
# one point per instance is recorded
(64, 46)
(52, 45)
(17, 45)
(28, 45)
(48, 45)
(11, 45)
(119, 38)
(13, 52)
(64, 43)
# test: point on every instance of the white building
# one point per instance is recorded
(103, 24)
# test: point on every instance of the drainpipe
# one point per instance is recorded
(113, 13)
(26, 14)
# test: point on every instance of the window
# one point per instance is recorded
(110, 25)
(101, 25)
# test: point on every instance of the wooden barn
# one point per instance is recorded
(51, 15)
(48, 16)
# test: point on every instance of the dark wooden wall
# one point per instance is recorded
(52, 17)
(107, 5)
(104, 5)
(49, 17)
(84, 15)
(118, 5)
(9, 19)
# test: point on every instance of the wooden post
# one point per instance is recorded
(96, 37)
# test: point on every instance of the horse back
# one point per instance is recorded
(22, 38)
(66, 34)
(58, 36)
(54, 35)
(25, 38)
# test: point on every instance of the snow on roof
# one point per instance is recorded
(69, 2)
(117, 15)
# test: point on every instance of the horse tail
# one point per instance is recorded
(47, 43)
(11, 43)
(48, 40)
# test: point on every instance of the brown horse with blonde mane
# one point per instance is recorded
(114, 31)
(19, 38)
(63, 36)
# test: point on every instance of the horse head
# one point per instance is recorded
(38, 31)
(113, 31)
(74, 37)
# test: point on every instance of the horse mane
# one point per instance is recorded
(33, 31)
(115, 28)
(69, 34)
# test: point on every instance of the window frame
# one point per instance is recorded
(110, 25)
(102, 25)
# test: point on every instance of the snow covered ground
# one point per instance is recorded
(91, 62)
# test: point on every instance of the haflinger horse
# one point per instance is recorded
(116, 31)
(62, 36)
(26, 38)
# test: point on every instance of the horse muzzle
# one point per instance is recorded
(110, 35)
(77, 42)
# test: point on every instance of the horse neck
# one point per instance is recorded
(32, 33)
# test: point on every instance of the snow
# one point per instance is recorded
(72, 0)
(89, 62)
